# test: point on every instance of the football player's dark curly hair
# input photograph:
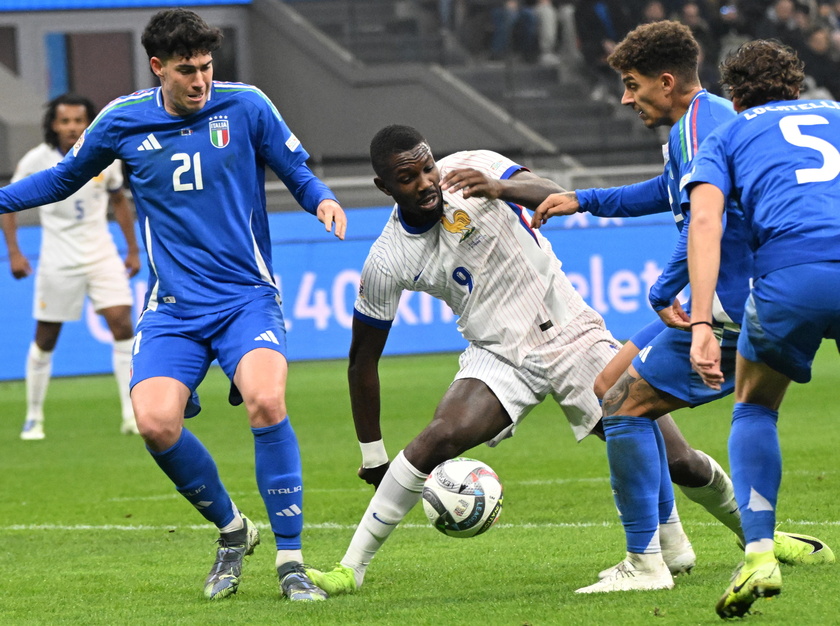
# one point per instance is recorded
(70, 99)
(179, 33)
(762, 71)
(651, 49)
(391, 140)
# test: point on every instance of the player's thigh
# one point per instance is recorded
(514, 389)
(469, 414)
(108, 286)
(758, 383)
(666, 367)
(173, 348)
(612, 372)
(787, 315)
(261, 380)
(256, 325)
(58, 297)
(570, 363)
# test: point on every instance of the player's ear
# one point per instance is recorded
(381, 186)
(157, 66)
(668, 81)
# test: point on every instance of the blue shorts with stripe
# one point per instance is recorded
(788, 314)
(645, 335)
(183, 349)
(665, 365)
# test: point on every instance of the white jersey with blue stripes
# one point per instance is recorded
(496, 273)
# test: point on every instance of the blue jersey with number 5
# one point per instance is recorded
(198, 184)
(781, 162)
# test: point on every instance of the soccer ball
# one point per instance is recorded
(462, 497)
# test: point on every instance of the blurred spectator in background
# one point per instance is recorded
(653, 11)
(452, 14)
(707, 39)
(820, 67)
(600, 25)
(547, 22)
(514, 30)
(782, 23)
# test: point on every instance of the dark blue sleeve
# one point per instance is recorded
(674, 277)
(44, 187)
(308, 189)
(645, 198)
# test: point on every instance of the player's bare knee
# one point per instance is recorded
(159, 433)
(265, 408)
(601, 386)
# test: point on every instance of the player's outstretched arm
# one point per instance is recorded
(522, 187)
(366, 348)
(329, 213)
(564, 203)
(17, 261)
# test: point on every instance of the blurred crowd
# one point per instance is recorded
(547, 31)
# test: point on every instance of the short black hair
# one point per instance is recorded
(391, 140)
(657, 47)
(70, 99)
(179, 33)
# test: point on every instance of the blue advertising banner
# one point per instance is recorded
(612, 263)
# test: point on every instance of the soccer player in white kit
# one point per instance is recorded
(460, 233)
(78, 257)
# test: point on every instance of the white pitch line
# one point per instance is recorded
(337, 526)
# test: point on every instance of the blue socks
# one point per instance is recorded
(193, 471)
(280, 483)
(755, 461)
(636, 472)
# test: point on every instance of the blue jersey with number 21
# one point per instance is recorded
(781, 162)
(198, 184)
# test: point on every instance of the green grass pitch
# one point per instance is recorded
(92, 532)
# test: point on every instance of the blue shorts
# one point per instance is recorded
(183, 349)
(665, 364)
(646, 334)
(788, 314)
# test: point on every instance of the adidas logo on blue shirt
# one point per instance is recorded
(149, 143)
(267, 336)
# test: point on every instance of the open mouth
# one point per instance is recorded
(429, 202)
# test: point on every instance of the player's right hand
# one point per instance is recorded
(19, 265)
(564, 203)
(705, 355)
(373, 475)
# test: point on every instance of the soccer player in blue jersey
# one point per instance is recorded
(658, 65)
(195, 151)
(779, 161)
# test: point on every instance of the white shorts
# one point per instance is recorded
(565, 367)
(60, 297)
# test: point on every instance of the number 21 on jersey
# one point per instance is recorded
(189, 170)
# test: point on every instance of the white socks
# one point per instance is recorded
(38, 372)
(718, 497)
(397, 494)
(121, 361)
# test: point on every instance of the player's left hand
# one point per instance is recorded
(471, 183)
(329, 213)
(705, 355)
(132, 263)
(675, 316)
